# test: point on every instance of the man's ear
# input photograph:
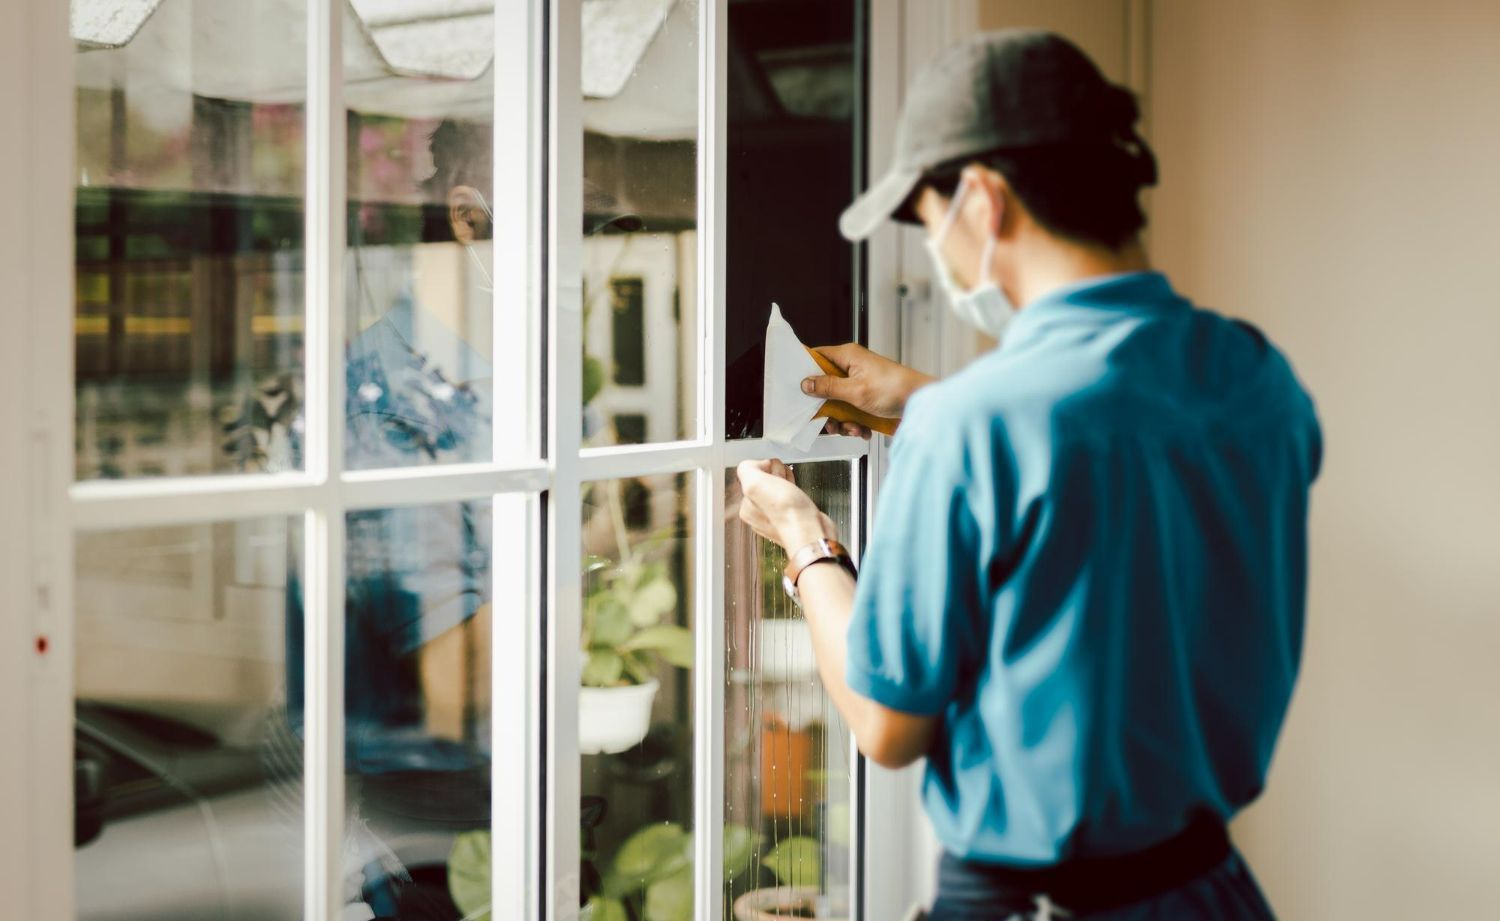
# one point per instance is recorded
(996, 194)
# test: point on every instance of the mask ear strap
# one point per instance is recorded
(988, 253)
(953, 206)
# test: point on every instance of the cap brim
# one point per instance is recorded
(878, 204)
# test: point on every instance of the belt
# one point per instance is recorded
(1087, 884)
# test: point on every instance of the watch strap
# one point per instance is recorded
(816, 552)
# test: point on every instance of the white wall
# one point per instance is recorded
(1331, 170)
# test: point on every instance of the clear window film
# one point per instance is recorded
(640, 180)
(788, 760)
(188, 327)
(187, 767)
(635, 708)
(795, 88)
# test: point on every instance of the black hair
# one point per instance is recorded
(460, 156)
(1087, 192)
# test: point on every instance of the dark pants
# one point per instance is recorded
(1227, 892)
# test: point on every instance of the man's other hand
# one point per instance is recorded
(777, 509)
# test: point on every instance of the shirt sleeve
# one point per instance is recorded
(915, 629)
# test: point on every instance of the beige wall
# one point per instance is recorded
(1099, 27)
(1332, 171)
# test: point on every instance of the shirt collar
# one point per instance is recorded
(1125, 292)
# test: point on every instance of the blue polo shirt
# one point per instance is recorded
(1089, 559)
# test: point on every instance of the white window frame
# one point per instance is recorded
(537, 67)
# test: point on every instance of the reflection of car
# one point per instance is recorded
(175, 824)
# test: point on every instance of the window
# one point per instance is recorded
(413, 355)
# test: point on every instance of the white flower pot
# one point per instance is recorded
(611, 720)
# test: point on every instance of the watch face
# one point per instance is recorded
(790, 588)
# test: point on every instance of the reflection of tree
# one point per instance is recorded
(266, 435)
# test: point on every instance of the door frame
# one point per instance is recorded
(36, 460)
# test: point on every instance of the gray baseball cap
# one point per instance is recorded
(1012, 89)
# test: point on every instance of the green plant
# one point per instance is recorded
(622, 629)
(623, 633)
(796, 861)
(469, 874)
(650, 879)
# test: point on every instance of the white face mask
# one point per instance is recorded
(986, 308)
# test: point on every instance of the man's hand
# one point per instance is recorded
(875, 384)
(777, 509)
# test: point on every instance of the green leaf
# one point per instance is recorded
(652, 599)
(603, 908)
(611, 625)
(650, 854)
(637, 667)
(796, 861)
(603, 669)
(674, 644)
(739, 850)
(671, 898)
(469, 874)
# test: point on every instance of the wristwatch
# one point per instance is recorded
(819, 551)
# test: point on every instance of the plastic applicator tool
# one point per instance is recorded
(792, 417)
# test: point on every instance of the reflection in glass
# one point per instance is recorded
(787, 756)
(189, 207)
(419, 387)
(635, 707)
(640, 116)
(794, 99)
(417, 622)
(187, 769)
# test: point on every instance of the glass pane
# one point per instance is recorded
(417, 622)
(636, 704)
(187, 768)
(787, 757)
(640, 119)
(794, 91)
(419, 269)
(188, 234)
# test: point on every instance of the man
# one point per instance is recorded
(1082, 599)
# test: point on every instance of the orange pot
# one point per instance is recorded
(785, 764)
